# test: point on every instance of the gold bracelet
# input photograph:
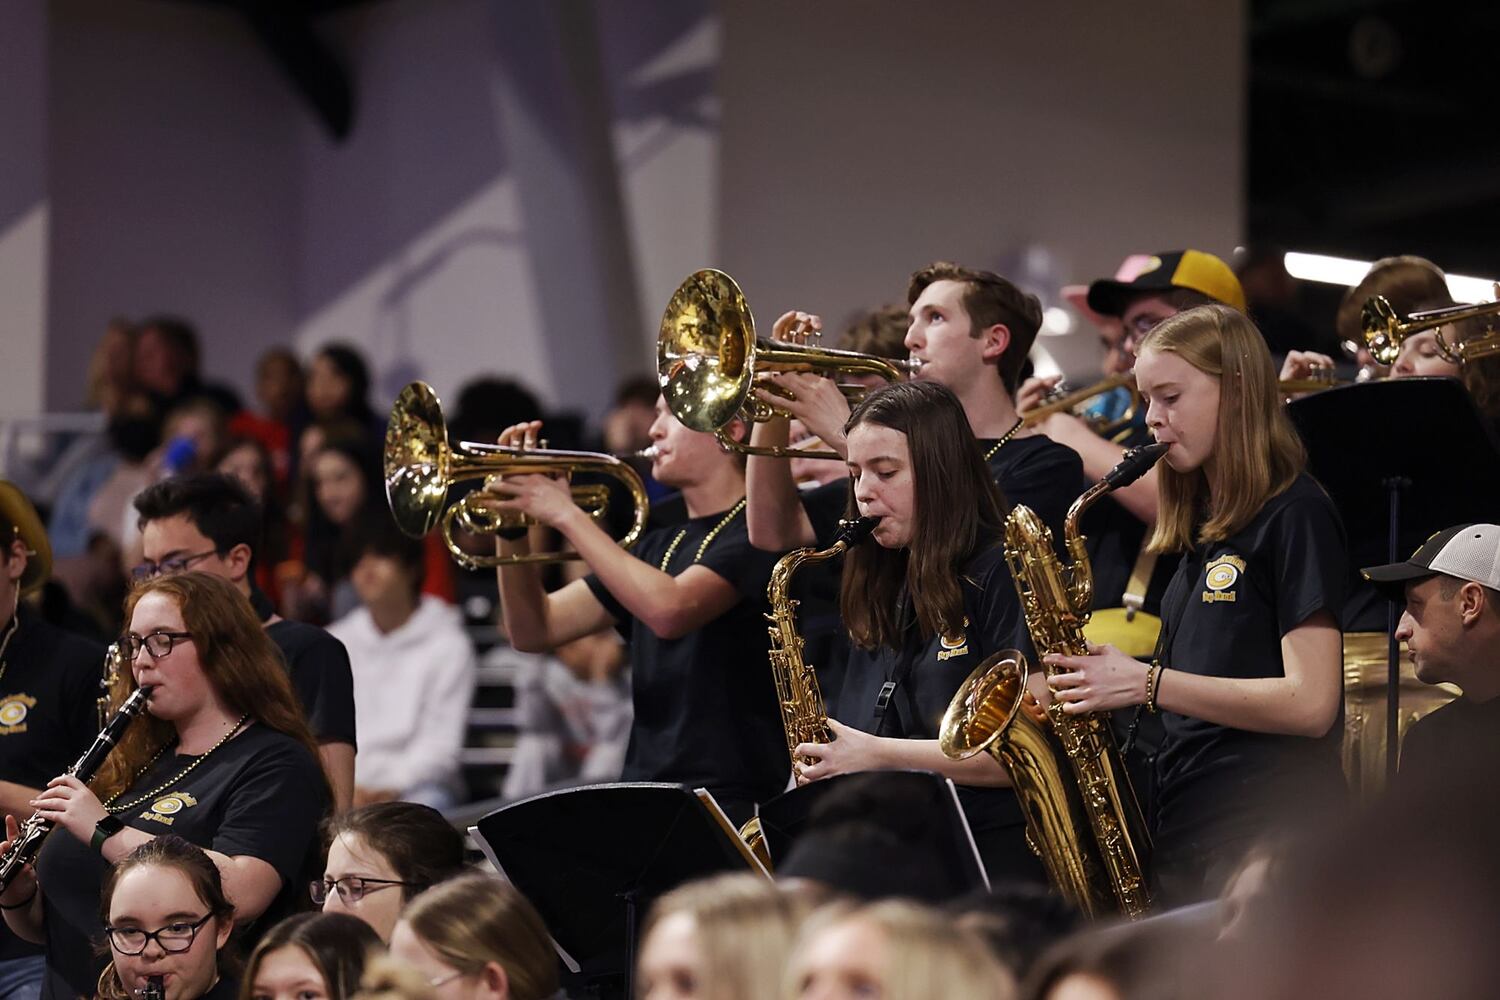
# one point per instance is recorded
(1151, 669)
(1153, 688)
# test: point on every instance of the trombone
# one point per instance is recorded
(1384, 330)
(708, 357)
(421, 466)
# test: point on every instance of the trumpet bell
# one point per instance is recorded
(1382, 329)
(416, 460)
(705, 353)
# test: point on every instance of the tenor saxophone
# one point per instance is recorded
(1082, 815)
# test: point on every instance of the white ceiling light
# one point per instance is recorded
(1347, 271)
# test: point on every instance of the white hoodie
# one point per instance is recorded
(412, 689)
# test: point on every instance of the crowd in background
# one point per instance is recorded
(308, 448)
(861, 911)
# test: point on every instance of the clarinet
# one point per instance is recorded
(29, 840)
(154, 988)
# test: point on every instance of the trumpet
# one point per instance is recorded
(1070, 402)
(1384, 330)
(708, 358)
(29, 840)
(421, 466)
(1320, 378)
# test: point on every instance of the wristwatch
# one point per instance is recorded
(103, 830)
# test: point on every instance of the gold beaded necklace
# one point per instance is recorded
(666, 560)
(1003, 439)
(112, 808)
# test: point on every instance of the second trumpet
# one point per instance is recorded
(421, 466)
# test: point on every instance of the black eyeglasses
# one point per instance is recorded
(351, 888)
(149, 570)
(173, 938)
(158, 643)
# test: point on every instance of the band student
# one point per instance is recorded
(223, 759)
(49, 681)
(688, 598)
(1247, 673)
(924, 605)
(210, 523)
(1162, 286)
(970, 330)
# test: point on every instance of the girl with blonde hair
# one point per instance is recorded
(893, 950)
(475, 937)
(724, 938)
(1247, 673)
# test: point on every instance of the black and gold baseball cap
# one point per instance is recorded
(1194, 269)
(19, 519)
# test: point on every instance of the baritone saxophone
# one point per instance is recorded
(1082, 816)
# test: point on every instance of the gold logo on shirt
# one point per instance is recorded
(165, 809)
(13, 711)
(1221, 577)
(954, 645)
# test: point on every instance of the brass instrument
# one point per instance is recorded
(28, 842)
(802, 711)
(1321, 378)
(114, 662)
(1384, 330)
(420, 467)
(708, 357)
(1082, 815)
(1071, 401)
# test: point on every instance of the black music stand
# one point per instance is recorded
(592, 859)
(1401, 458)
(944, 836)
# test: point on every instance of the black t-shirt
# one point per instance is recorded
(705, 703)
(1034, 471)
(262, 795)
(927, 673)
(1225, 613)
(318, 665)
(1461, 735)
(1039, 473)
(49, 686)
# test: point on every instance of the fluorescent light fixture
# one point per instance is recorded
(1347, 271)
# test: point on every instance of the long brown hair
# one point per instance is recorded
(1257, 453)
(169, 851)
(472, 920)
(957, 512)
(239, 660)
